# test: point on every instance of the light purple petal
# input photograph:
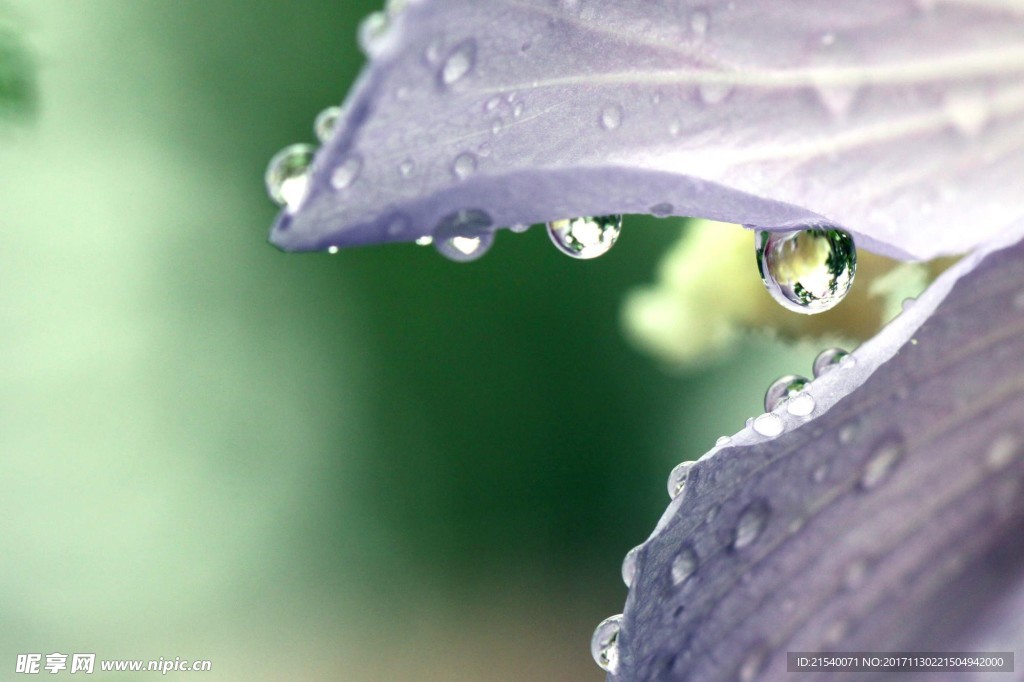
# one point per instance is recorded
(891, 517)
(900, 121)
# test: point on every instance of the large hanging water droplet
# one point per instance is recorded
(287, 175)
(677, 479)
(782, 389)
(808, 271)
(460, 61)
(464, 249)
(326, 122)
(683, 565)
(464, 236)
(828, 360)
(604, 645)
(585, 237)
(750, 524)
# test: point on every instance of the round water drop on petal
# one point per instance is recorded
(828, 360)
(425, 240)
(683, 565)
(677, 478)
(604, 644)
(723, 440)
(287, 175)
(629, 566)
(611, 117)
(326, 122)
(585, 237)
(465, 165)
(769, 425)
(883, 460)
(459, 62)
(808, 271)
(800, 405)
(782, 389)
(750, 524)
(371, 30)
(1002, 451)
(346, 173)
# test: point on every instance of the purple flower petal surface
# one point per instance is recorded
(889, 517)
(902, 122)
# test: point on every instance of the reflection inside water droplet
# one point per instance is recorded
(585, 237)
(677, 478)
(604, 644)
(287, 176)
(808, 271)
(326, 122)
(828, 360)
(782, 389)
(464, 236)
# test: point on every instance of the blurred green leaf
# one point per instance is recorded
(17, 83)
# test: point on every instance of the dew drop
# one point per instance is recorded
(782, 389)
(519, 228)
(347, 172)
(883, 460)
(611, 117)
(677, 479)
(371, 30)
(406, 168)
(750, 524)
(425, 240)
(496, 126)
(465, 235)
(662, 210)
(464, 249)
(465, 165)
(838, 99)
(769, 425)
(517, 109)
(800, 405)
(723, 440)
(808, 271)
(585, 237)
(492, 104)
(629, 566)
(1002, 451)
(967, 110)
(753, 665)
(604, 644)
(713, 93)
(333, 250)
(848, 433)
(683, 566)
(287, 176)
(674, 128)
(699, 22)
(828, 360)
(326, 122)
(432, 55)
(459, 62)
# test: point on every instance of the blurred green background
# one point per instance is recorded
(376, 465)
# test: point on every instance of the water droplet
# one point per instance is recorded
(325, 123)
(629, 566)
(723, 440)
(432, 55)
(347, 172)
(517, 109)
(287, 176)
(782, 389)
(492, 103)
(753, 665)
(808, 271)
(713, 93)
(908, 303)
(465, 165)
(800, 405)
(425, 240)
(484, 149)
(828, 360)
(683, 565)
(519, 228)
(828, 39)
(1002, 451)
(838, 99)
(333, 250)
(848, 362)
(371, 30)
(769, 425)
(699, 22)
(968, 110)
(604, 644)
(496, 126)
(848, 433)
(406, 168)
(750, 524)
(464, 236)
(611, 117)
(585, 237)
(674, 128)
(662, 210)
(677, 478)
(883, 460)
(856, 574)
(460, 61)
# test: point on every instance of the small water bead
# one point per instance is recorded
(782, 389)
(517, 109)
(800, 405)
(519, 228)
(458, 64)
(604, 645)
(1002, 451)
(465, 165)
(464, 249)
(465, 235)
(611, 117)
(713, 93)
(333, 250)
(828, 360)
(808, 271)
(406, 168)
(585, 237)
(750, 524)
(884, 459)
(425, 240)
(723, 440)
(683, 566)
(629, 566)
(662, 210)
(492, 103)
(347, 172)
(769, 425)
(371, 30)
(287, 176)
(326, 122)
(677, 478)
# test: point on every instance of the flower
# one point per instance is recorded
(889, 515)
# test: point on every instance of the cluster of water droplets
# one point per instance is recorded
(808, 270)
(287, 175)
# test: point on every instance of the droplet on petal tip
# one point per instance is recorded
(287, 176)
